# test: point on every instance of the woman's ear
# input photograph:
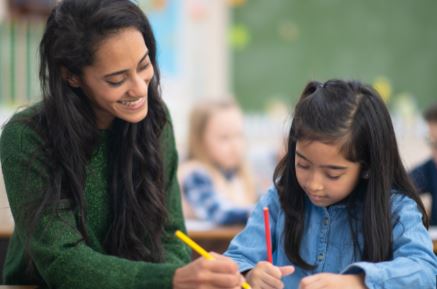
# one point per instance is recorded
(365, 174)
(72, 79)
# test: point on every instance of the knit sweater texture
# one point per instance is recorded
(59, 260)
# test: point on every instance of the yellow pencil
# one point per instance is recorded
(193, 245)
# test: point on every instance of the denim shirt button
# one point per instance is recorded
(321, 257)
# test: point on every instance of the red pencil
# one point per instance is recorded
(268, 235)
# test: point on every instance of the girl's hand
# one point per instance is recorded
(333, 281)
(208, 274)
(267, 276)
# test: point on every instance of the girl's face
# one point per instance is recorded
(323, 173)
(224, 139)
(117, 82)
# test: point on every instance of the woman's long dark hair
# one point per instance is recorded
(350, 111)
(67, 125)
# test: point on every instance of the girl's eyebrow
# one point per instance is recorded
(331, 167)
(334, 167)
(302, 156)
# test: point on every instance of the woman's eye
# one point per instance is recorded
(115, 83)
(302, 166)
(145, 66)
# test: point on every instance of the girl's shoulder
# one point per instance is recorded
(271, 200)
(401, 202)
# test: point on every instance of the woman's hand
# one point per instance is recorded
(221, 272)
(333, 281)
(267, 276)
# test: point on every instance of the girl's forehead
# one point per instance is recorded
(321, 152)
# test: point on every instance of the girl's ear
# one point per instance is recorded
(365, 174)
(72, 79)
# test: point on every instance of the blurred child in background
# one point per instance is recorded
(215, 181)
(425, 175)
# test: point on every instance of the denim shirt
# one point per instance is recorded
(327, 244)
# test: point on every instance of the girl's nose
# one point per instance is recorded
(314, 183)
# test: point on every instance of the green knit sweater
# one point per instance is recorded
(59, 260)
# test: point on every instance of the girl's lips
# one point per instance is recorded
(316, 198)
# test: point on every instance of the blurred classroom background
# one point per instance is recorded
(262, 53)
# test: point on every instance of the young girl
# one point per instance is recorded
(215, 180)
(90, 172)
(343, 212)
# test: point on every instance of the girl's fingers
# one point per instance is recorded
(286, 270)
(271, 282)
(311, 282)
(270, 269)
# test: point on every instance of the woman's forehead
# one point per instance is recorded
(120, 50)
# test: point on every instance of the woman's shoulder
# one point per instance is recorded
(19, 132)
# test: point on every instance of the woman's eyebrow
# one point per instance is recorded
(126, 70)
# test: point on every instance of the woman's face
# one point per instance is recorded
(224, 138)
(117, 82)
(323, 173)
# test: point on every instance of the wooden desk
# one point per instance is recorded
(17, 287)
(6, 219)
(218, 233)
(7, 223)
(211, 237)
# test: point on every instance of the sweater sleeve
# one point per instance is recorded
(59, 258)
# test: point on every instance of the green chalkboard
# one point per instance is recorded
(279, 45)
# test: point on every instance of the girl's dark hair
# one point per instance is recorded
(355, 113)
(67, 125)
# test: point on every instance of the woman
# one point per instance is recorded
(100, 201)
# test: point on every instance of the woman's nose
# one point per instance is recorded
(139, 87)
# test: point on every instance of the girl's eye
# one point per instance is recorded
(302, 166)
(333, 177)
